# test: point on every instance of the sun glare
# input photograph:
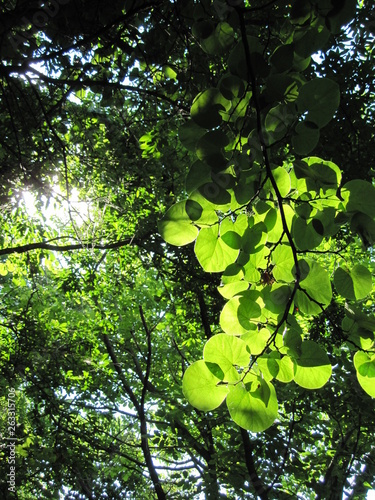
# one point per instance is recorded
(58, 207)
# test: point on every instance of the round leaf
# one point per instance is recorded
(282, 179)
(239, 314)
(254, 411)
(359, 196)
(227, 352)
(201, 389)
(317, 285)
(365, 367)
(286, 370)
(176, 227)
(256, 340)
(213, 254)
(207, 107)
(320, 98)
(313, 367)
(353, 284)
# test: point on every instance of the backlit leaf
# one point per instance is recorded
(228, 352)
(313, 368)
(249, 409)
(201, 387)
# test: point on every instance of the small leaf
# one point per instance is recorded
(283, 260)
(305, 235)
(232, 239)
(365, 367)
(282, 179)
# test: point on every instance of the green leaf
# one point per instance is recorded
(240, 313)
(254, 411)
(275, 298)
(292, 338)
(213, 254)
(170, 72)
(283, 260)
(282, 58)
(210, 149)
(313, 367)
(199, 174)
(189, 134)
(286, 370)
(176, 227)
(354, 283)
(359, 196)
(207, 108)
(220, 41)
(193, 209)
(364, 226)
(231, 86)
(234, 288)
(268, 365)
(318, 173)
(306, 137)
(275, 233)
(317, 285)
(232, 273)
(215, 193)
(365, 366)
(278, 121)
(360, 358)
(228, 352)
(256, 340)
(320, 98)
(282, 179)
(305, 235)
(254, 238)
(232, 239)
(201, 387)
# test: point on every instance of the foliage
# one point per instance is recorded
(130, 131)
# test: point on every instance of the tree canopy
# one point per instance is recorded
(186, 254)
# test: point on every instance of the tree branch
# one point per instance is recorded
(259, 487)
(45, 245)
